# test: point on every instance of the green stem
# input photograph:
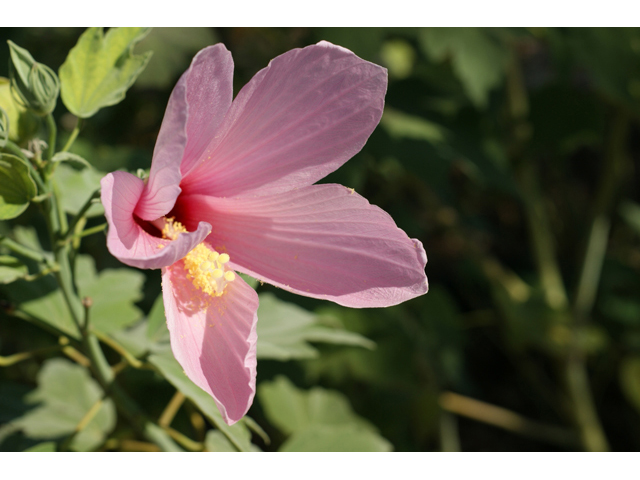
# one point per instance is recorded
(22, 250)
(19, 357)
(87, 205)
(53, 132)
(74, 135)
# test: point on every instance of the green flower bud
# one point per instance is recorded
(21, 124)
(33, 84)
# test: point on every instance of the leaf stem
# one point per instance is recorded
(19, 357)
(74, 135)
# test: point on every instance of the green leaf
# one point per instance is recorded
(35, 85)
(317, 419)
(336, 438)
(284, 331)
(17, 188)
(11, 269)
(157, 328)
(66, 393)
(100, 69)
(477, 59)
(170, 369)
(76, 186)
(113, 293)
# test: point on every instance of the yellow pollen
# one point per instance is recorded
(204, 266)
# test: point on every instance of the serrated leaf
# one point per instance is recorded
(17, 188)
(75, 187)
(100, 69)
(66, 392)
(11, 269)
(170, 369)
(478, 60)
(284, 331)
(317, 419)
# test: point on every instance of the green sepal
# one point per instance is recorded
(100, 69)
(17, 188)
(34, 85)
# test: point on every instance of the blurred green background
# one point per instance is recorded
(513, 155)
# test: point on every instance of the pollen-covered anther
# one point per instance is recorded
(204, 266)
(206, 269)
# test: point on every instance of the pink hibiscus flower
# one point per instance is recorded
(231, 188)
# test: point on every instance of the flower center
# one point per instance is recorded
(205, 267)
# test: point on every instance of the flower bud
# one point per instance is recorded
(20, 124)
(33, 84)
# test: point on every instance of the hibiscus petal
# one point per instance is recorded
(214, 339)
(297, 120)
(209, 96)
(196, 108)
(127, 240)
(322, 241)
(163, 187)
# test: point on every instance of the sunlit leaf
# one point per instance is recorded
(100, 69)
(65, 393)
(17, 188)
